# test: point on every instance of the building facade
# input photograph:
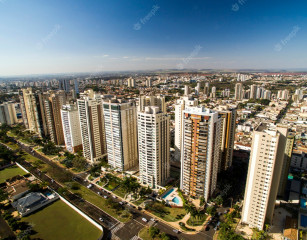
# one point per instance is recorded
(120, 120)
(92, 126)
(200, 152)
(179, 108)
(264, 174)
(71, 128)
(228, 128)
(154, 146)
(8, 113)
(53, 106)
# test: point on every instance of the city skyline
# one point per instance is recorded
(78, 36)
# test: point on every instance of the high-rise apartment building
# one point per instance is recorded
(31, 111)
(64, 84)
(286, 163)
(71, 127)
(264, 174)
(8, 113)
(92, 126)
(154, 146)
(187, 90)
(53, 106)
(179, 108)
(200, 152)
(131, 82)
(213, 92)
(120, 121)
(253, 91)
(238, 91)
(228, 128)
(157, 101)
(206, 89)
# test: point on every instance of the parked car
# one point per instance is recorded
(100, 219)
(114, 196)
(105, 197)
(144, 220)
(89, 186)
(176, 231)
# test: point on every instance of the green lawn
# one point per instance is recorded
(99, 202)
(120, 192)
(169, 214)
(59, 221)
(10, 172)
(194, 221)
(111, 185)
(144, 234)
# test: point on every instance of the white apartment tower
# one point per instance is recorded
(8, 113)
(200, 152)
(92, 126)
(154, 146)
(157, 101)
(238, 91)
(264, 174)
(179, 108)
(71, 128)
(120, 120)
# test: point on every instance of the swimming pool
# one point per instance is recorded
(167, 194)
(176, 200)
(303, 220)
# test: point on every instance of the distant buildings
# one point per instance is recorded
(8, 113)
(92, 126)
(213, 92)
(71, 128)
(264, 174)
(200, 152)
(120, 120)
(131, 83)
(154, 145)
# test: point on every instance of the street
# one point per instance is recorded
(113, 229)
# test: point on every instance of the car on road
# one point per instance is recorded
(144, 220)
(100, 219)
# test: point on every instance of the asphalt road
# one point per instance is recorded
(113, 229)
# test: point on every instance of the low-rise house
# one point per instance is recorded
(33, 201)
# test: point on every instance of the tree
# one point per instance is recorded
(153, 232)
(211, 210)
(3, 195)
(218, 200)
(164, 236)
(79, 163)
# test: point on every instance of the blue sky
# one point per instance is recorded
(98, 35)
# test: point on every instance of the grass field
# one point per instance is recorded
(99, 202)
(170, 213)
(10, 172)
(59, 221)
